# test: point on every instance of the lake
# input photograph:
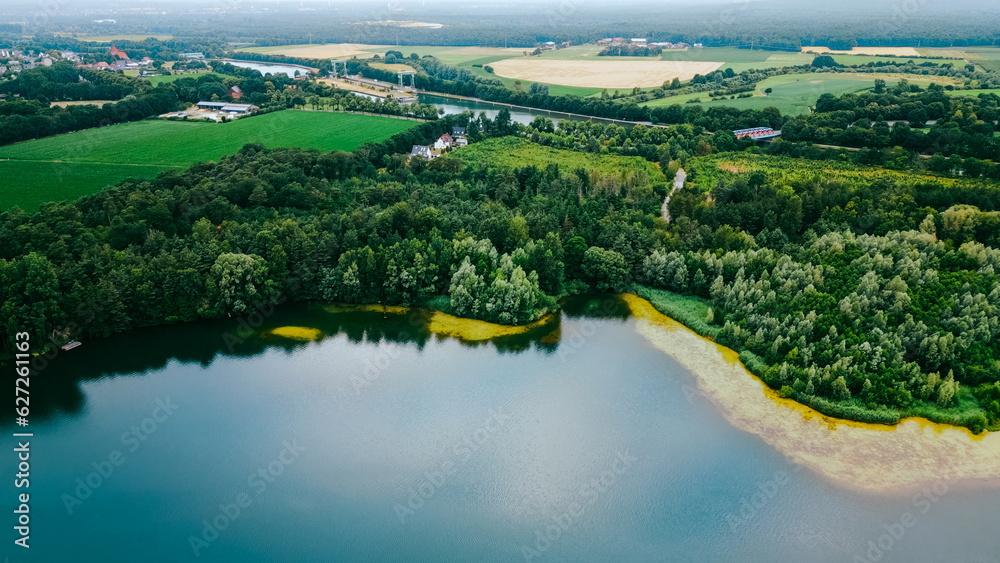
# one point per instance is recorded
(580, 440)
(270, 68)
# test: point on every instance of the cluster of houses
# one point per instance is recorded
(445, 142)
(757, 133)
(18, 60)
(640, 42)
(123, 62)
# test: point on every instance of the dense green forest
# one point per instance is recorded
(867, 295)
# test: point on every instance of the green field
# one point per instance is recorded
(28, 184)
(739, 59)
(156, 80)
(514, 152)
(854, 60)
(972, 93)
(794, 94)
(65, 167)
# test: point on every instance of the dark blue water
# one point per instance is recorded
(374, 445)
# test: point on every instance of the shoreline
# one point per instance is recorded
(854, 455)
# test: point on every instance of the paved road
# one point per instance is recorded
(678, 184)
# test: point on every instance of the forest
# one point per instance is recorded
(867, 296)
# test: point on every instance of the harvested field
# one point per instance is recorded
(601, 74)
(396, 67)
(891, 51)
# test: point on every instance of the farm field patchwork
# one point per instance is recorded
(65, 167)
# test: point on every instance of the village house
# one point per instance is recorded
(421, 150)
(235, 93)
(458, 132)
(444, 142)
(461, 142)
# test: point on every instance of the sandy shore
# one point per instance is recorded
(851, 454)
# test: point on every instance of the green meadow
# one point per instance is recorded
(514, 152)
(156, 80)
(739, 59)
(65, 167)
(792, 94)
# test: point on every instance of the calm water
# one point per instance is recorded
(380, 442)
(519, 115)
(270, 68)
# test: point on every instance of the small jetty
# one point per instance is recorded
(70, 345)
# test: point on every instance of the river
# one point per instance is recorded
(584, 439)
(523, 115)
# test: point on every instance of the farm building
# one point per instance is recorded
(421, 150)
(228, 107)
(193, 55)
(235, 93)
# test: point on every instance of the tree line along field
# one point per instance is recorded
(795, 94)
(65, 167)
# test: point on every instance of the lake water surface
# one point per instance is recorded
(579, 441)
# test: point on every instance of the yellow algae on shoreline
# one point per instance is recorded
(369, 308)
(443, 324)
(472, 330)
(851, 454)
(295, 332)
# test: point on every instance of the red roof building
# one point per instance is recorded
(235, 93)
(117, 53)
